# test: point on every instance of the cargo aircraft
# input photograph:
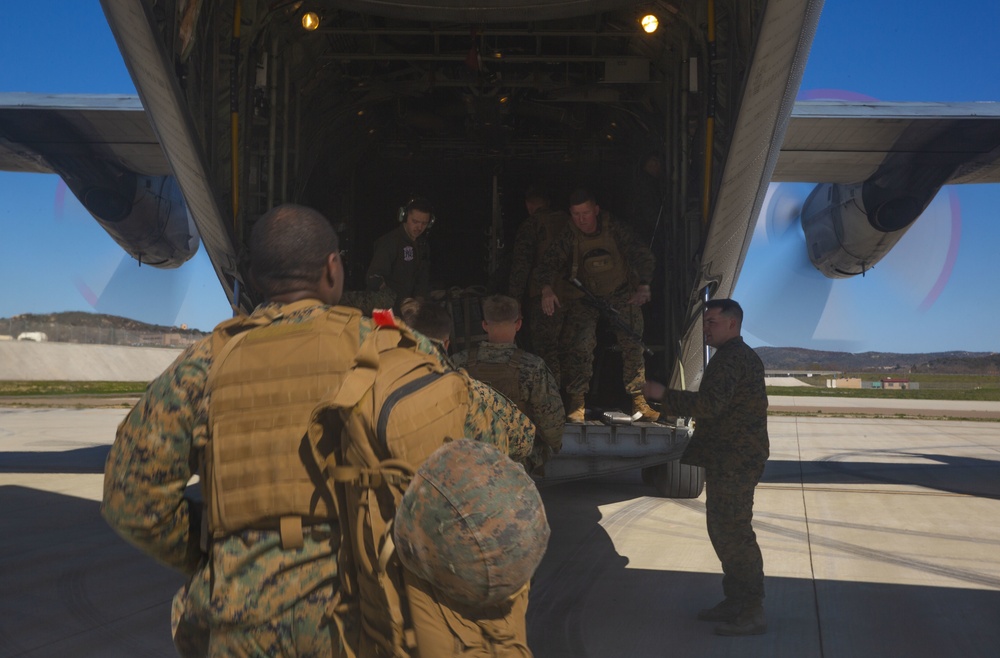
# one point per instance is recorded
(354, 106)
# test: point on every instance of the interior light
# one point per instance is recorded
(310, 21)
(650, 23)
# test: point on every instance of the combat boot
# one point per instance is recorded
(750, 621)
(576, 409)
(640, 406)
(727, 610)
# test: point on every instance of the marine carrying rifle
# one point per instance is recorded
(610, 314)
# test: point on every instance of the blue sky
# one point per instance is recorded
(889, 50)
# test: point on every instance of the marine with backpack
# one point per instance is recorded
(396, 425)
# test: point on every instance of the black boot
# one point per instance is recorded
(727, 610)
(750, 621)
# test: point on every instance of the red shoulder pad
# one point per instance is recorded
(383, 317)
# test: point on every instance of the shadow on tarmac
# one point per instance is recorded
(968, 476)
(587, 603)
(73, 587)
(78, 460)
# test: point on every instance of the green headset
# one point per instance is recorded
(419, 203)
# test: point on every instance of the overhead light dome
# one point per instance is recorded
(310, 21)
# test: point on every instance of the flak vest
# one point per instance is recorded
(264, 382)
(551, 224)
(501, 376)
(597, 261)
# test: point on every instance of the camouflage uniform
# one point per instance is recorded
(538, 391)
(534, 235)
(367, 301)
(247, 595)
(579, 333)
(730, 441)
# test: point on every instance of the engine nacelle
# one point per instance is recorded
(850, 228)
(145, 215)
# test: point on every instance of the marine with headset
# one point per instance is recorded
(402, 256)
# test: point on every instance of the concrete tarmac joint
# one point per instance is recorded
(884, 408)
(878, 539)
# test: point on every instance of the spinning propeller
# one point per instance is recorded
(791, 304)
(127, 289)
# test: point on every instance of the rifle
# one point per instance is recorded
(610, 314)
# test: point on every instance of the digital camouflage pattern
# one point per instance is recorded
(534, 235)
(538, 391)
(580, 339)
(247, 579)
(730, 441)
(578, 336)
(545, 331)
(637, 256)
(367, 301)
(472, 523)
(730, 407)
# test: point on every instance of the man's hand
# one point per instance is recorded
(549, 300)
(641, 295)
(654, 391)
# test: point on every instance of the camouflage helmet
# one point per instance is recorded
(472, 524)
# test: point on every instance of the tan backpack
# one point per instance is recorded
(381, 430)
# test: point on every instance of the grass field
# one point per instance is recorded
(31, 388)
(931, 387)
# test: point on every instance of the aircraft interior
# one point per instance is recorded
(355, 107)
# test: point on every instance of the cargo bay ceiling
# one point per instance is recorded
(509, 81)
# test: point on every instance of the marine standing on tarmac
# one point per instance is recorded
(402, 256)
(521, 376)
(730, 441)
(606, 257)
(542, 226)
(261, 577)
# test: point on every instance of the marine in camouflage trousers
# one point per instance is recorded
(729, 516)
(545, 335)
(579, 339)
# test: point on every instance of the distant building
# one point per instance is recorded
(37, 336)
(844, 382)
(898, 384)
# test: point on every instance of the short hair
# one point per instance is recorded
(288, 248)
(432, 319)
(727, 307)
(581, 195)
(500, 308)
(417, 203)
(537, 193)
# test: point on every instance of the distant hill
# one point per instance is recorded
(97, 328)
(84, 319)
(957, 362)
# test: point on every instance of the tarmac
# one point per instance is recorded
(879, 535)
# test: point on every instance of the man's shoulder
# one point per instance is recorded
(391, 235)
(529, 360)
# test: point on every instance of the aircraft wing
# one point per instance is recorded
(38, 130)
(847, 142)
